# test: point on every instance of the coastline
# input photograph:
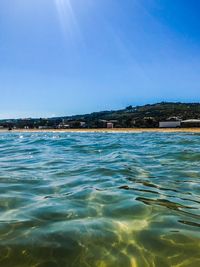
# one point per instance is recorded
(114, 130)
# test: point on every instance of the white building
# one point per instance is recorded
(190, 123)
(169, 124)
(63, 126)
(44, 127)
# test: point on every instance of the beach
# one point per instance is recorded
(105, 130)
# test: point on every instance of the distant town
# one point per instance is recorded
(163, 115)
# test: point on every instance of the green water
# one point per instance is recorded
(99, 200)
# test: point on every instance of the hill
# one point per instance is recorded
(132, 116)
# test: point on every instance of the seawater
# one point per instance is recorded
(99, 199)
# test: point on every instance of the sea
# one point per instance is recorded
(99, 199)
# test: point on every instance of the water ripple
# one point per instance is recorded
(99, 199)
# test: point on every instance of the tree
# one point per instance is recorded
(129, 107)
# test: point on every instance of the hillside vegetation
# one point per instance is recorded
(131, 116)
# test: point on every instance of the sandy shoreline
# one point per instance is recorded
(115, 130)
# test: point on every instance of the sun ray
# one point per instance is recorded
(67, 18)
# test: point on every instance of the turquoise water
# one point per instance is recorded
(99, 199)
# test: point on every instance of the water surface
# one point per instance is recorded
(99, 199)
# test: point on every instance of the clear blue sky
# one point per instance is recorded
(62, 57)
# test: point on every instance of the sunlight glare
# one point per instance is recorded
(67, 17)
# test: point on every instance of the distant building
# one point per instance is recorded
(82, 124)
(44, 127)
(169, 124)
(63, 126)
(173, 119)
(110, 125)
(190, 123)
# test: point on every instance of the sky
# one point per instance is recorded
(64, 57)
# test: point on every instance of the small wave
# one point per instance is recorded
(98, 199)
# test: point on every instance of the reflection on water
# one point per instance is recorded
(99, 200)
